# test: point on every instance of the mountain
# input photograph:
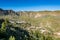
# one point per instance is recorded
(7, 12)
(34, 14)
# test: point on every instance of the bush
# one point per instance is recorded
(12, 38)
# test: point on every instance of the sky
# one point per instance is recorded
(30, 5)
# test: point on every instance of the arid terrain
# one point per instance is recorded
(45, 22)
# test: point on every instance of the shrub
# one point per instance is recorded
(12, 38)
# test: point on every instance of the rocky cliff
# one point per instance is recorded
(7, 12)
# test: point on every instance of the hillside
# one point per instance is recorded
(44, 21)
(38, 18)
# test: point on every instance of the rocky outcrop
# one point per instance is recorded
(7, 12)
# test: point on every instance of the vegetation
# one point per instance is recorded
(14, 33)
(12, 38)
(39, 25)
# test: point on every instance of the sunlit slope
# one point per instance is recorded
(50, 21)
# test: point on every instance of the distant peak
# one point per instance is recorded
(1, 9)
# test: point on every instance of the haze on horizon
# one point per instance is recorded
(30, 5)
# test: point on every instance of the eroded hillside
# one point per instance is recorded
(31, 20)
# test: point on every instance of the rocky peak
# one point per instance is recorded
(7, 12)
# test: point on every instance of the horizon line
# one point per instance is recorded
(31, 10)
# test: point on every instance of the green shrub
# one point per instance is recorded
(12, 38)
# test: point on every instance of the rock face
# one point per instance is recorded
(7, 12)
(39, 14)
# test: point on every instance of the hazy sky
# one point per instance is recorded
(30, 5)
